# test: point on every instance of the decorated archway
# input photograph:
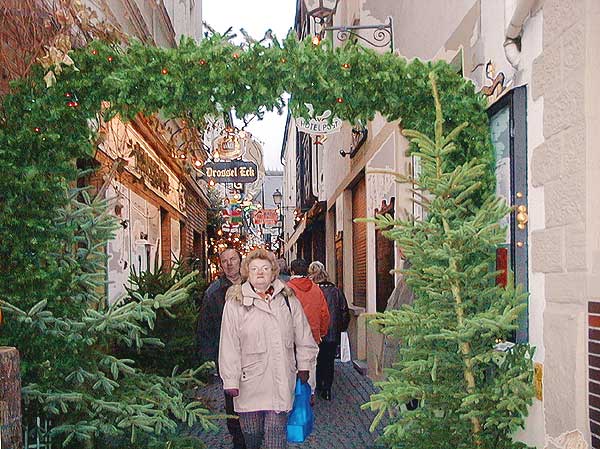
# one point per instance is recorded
(48, 122)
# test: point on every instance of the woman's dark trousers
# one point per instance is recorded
(325, 365)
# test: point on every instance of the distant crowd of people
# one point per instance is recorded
(265, 327)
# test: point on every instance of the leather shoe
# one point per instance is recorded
(326, 394)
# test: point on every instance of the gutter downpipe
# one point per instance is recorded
(512, 41)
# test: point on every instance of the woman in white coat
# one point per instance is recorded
(262, 324)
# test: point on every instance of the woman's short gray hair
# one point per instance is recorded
(262, 254)
(317, 272)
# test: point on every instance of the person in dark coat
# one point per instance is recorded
(209, 327)
(338, 323)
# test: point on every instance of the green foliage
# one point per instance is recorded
(470, 394)
(70, 374)
(175, 328)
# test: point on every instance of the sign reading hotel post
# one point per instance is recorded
(235, 171)
(318, 125)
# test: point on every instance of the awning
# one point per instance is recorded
(308, 218)
(296, 235)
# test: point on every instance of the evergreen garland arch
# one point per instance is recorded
(41, 134)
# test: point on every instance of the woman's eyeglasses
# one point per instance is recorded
(257, 269)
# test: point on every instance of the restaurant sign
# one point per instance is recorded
(235, 171)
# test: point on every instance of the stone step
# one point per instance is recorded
(360, 366)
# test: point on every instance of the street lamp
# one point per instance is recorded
(277, 197)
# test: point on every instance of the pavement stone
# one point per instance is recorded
(339, 423)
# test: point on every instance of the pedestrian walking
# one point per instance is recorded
(265, 343)
(339, 318)
(209, 327)
(314, 304)
(284, 272)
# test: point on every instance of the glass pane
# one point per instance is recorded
(500, 130)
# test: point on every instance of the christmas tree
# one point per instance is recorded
(470, 394)
(70, 372)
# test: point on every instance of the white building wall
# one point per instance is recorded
(289, 188)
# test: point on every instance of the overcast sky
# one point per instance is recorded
(256, 17)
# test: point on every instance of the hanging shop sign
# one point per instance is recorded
(267, 217)
(227, 146)
(236, 171)
(320, 124)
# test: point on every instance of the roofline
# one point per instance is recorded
(285, 136)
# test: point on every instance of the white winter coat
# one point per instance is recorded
(256, 350)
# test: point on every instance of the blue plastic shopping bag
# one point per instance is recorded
(301, 419)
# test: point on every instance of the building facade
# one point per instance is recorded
(536, 61)
(154, 193)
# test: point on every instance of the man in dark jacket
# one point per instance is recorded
(209, 327)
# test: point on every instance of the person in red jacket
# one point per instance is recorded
(314, 304)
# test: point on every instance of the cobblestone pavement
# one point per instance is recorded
(339, 423)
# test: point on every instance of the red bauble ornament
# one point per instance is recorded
(340, 100)
(110, 59)
(164, 71)
(68, 94)
(202, 62)
(37, 129)
(94, 52)
(236, 56)
(345, 66)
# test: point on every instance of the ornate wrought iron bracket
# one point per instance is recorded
(383, 35)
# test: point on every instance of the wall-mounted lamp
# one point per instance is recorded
(324, 12)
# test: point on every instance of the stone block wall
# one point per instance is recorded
(563, 250)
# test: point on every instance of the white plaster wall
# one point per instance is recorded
(333, 168)
(420, 26)
(289, 184)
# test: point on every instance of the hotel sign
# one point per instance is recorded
(236, 171)
(318, 124)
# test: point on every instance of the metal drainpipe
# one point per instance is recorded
(512, 41)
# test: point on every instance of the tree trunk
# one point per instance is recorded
(10, 399)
